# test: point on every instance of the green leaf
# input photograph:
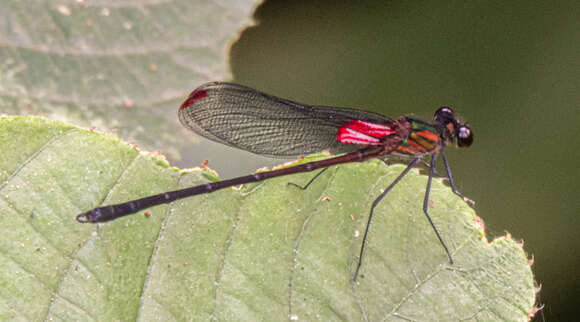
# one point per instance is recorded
(118, 66)
(267, 251)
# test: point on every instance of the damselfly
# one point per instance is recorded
(242, 117)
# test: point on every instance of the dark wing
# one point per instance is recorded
(244, 118)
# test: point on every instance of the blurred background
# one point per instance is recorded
(510, 69)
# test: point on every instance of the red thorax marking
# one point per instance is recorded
(360, 132)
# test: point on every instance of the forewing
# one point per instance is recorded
(244, 118)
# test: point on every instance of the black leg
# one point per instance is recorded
(375, 203)
(470, 202)
(309, 182)
(426, 206)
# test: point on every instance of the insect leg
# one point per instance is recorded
(375, 203)
(470, 202)
(426, 206)
(309, 182)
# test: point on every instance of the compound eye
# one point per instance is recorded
(444, 110)
(444, 114)
(464, 136)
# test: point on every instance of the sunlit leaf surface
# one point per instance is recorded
(267, 251)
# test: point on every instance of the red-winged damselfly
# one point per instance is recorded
(244, 118)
